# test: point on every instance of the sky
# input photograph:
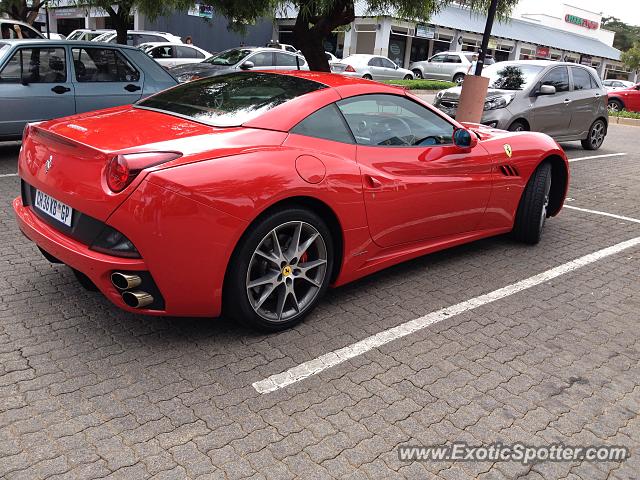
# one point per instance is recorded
(626, 10)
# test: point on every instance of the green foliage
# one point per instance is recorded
(625, 114)
(421, 84)
(631, 58)
(23, 10)
(626, 35)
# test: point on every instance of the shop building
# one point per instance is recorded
(567, 33)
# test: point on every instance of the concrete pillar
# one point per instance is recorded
(350, 41)
(381, 46)
(515, 53)
(456, 43)
(430, 52)
(600, 69)
(139, 20)
(407, 53)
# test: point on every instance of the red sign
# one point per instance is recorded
(542, 52)
(581, 22)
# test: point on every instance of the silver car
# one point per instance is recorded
(44, 79)
(564, 100)
(612, 85)
(372, 67)
(449, 66)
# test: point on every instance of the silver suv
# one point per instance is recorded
(450, 66)
(564, 100)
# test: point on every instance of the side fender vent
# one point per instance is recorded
(509, 171)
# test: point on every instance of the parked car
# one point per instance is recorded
(13, 29)
(136, 37)
(282, 46)
(244, 58)
(625, 99)
(251, 193)
(43, 79)
(331, 57)
(563, 100)
(611, 85)
(372, 67)
(87, 34)
(171, 54)
(449, 66)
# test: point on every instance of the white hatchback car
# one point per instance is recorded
(171, 54)
(136, 37)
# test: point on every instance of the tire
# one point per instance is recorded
(518, 126)
(417, 73)
(615, 105)
(532, 210)
(458, 78)
(595, 139)
(270, 306)
(366, 76)
(408, 77)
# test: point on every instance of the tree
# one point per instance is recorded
(120, 11)
(626, 35)
(316, 19)
(23, 10)
(631, 58)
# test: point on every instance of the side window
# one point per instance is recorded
(453, 59)
(438, 58)
(290, 49)
(162, 52)
(559, 78)
(394, 121)
(102, 65)
(375, 62)
(581, 79)
(36, 65)
(264, 59)
(326, 123)
(387, 63)
(286, 60)
(186, 52)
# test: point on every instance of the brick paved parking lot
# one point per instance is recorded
(88, 391)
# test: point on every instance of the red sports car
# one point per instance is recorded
(250, 193)
(625, 99)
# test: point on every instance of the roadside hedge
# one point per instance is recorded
(625, 114)
(421, 84)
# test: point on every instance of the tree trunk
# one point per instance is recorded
(120, 21)
(312, 27)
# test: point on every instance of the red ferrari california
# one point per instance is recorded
(250, 193)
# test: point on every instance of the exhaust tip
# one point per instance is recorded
(137, 298)
(125, 281)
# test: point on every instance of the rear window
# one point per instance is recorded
(231, 99)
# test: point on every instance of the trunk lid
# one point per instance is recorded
(67, 158)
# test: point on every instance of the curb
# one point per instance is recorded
(633, 122)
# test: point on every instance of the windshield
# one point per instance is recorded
(511, 76)
(232, 99)
(229, 57)
(102, 37)
(75, 35)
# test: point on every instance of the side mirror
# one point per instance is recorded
(547, 90)
(248, 65)
(463, 138)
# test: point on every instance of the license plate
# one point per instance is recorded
(53, 208)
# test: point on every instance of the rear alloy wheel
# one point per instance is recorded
(366, 76)
(596, 136)
(417, 73)
(408, 77)
(615, 105)
(282, 268)
(518, 126)
(533, 208)
(458, 78)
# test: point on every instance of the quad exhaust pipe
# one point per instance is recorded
(137, 298)
(126, 282)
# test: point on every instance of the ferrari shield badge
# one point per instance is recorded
(507, 150)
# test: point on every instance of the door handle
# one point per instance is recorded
(372, 182)
(567, 101)
(60, 89)
(132, 88)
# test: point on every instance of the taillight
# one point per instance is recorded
(122, 169)
(349, 69)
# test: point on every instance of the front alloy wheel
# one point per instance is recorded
(280, 270)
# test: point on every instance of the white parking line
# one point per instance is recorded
(336, 357)
(596, 156)
(2, 175)
(604, 214)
